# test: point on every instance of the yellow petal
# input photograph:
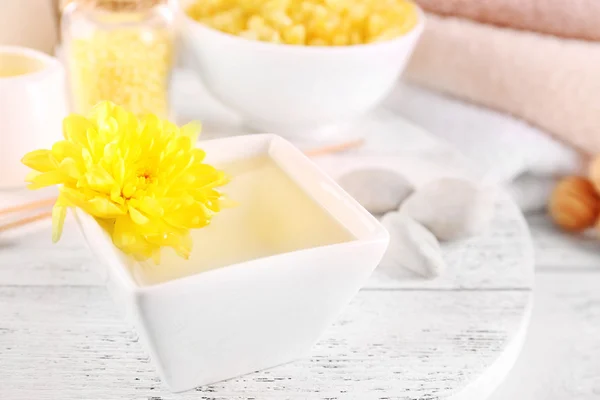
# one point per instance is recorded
(103, 208)
(184, 246)
(192, 130)
(101, 111)
(227, 202)
(59, 212)
(128, 190)
(118, 170)
(108, 128)
(124, 234)
(182, 143)
(68, 167)
(40, 160)
(115, 195)
(65, 149)
(137, 216)
(143, 252)
(156, 256)
(75, 129)
(31, 175)
(87, 158)
(45, 179)
(198, 155)
(107, 224)
(180, 241)
(121, 115)
(151, 206)
(74, 197)
(195, 215)
(98, 179)
(95, 144)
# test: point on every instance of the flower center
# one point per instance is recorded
(145, 175)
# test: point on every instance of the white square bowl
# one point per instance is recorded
(246, 317)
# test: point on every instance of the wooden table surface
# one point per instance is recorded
(560, 359)
(455, 337)
(61, 336)
(561, 355)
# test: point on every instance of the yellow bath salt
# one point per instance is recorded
(129, 67)
(309, 22)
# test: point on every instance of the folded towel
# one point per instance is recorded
(503, 149)
(576, 19)
(550, 82)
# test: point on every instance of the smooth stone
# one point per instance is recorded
(377, 190)
(452, 209)
(412, 246)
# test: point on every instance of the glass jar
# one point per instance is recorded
(119, 50)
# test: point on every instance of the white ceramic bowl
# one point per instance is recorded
(294, 89)
(258, 314)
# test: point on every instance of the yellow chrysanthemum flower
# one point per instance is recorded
(141, 178)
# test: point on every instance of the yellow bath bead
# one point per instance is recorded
(375, 25)
(337, 5)
(340, 40)
(256, 23)
(320, 12)
(295, 35)
(324, 22)
(279, 18)
(317, 42)
(252, 35)
(356, 38)
(128, 67)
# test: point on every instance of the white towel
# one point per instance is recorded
(506, 150)
(551, 82)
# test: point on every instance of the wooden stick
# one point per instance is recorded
(28, 206)
(334, 148)
(25, 221)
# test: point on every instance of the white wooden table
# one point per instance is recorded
(561, 355)
(456, 337)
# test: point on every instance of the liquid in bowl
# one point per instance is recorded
(272, 215)
(14, 64)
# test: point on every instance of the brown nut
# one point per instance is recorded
(574, 204)
(594, 173)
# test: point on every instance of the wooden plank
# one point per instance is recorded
(557, 250)
(69, 343)
(28, 257)
(561, 356)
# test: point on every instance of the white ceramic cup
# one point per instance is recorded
(33, 103)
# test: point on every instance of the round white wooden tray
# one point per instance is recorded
(455, 337)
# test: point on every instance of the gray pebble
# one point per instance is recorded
(411, 246)
(377, 190)
(451, 208)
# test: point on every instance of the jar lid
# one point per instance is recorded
(117, 5)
